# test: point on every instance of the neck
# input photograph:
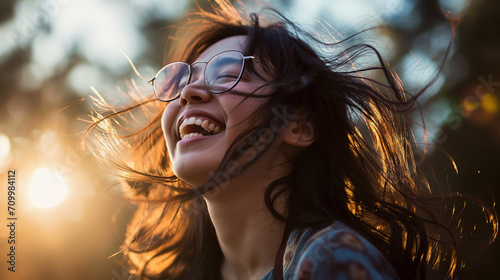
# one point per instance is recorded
(249, 236)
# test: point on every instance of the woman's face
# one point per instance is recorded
(195, 158)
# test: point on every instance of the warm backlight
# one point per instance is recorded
(4, 147)
(47, 189)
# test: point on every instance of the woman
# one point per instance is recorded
(273, 158)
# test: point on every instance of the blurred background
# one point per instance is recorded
(53, 51)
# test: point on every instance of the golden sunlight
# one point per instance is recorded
(47, 189)
(4, 147)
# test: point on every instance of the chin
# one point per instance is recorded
(194, 174)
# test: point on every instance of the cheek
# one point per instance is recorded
(243, 116)
(168, 123)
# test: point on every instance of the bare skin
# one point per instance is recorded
(248, 234)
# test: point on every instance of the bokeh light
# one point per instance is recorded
(4, 149)
(4, 146)
(490, 103)
(47, 188)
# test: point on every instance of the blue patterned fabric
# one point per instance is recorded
(335, 252)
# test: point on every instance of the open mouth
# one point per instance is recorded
(198, 126)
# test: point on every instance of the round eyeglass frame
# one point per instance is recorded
(245, 58)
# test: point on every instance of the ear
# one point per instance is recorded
(299, 134)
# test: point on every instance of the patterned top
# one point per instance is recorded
(335, 252)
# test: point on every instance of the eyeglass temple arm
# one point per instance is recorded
(258, 62)
(152, 80)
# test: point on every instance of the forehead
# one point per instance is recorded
(230, 43)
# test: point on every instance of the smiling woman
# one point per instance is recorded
(271, 157)
(195, 155)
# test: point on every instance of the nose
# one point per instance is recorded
(195, 91)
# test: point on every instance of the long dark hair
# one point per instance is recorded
(360, 169)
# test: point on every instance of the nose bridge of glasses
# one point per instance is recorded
(197, 71)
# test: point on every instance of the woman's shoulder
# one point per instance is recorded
(334, 252)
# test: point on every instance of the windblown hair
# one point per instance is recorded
(360, 169)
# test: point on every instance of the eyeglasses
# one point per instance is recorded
(222, 73)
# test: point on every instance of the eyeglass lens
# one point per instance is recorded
(170, 80)
(222, 73)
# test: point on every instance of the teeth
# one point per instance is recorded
(205, 124)
(210, 127)
(183, 124)
(191, 135)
